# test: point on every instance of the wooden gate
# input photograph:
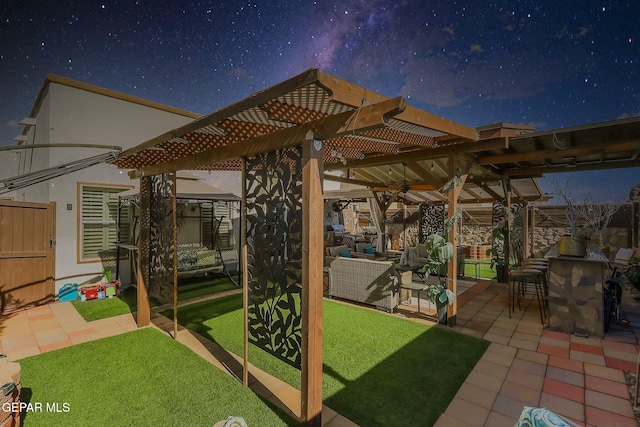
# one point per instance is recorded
(27, 253)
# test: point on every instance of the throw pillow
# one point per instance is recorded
(345, 254)
(369, 250)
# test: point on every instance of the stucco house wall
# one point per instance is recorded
(67, 111)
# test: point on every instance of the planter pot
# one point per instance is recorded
(501, 272)
(441, 309)
(572, 246)
(605, 250)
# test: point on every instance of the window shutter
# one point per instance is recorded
(99, 214)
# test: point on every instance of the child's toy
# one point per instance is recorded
(69, 292)
(90, 292)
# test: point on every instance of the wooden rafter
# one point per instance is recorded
(332, 126)
(351, 94)
(425, 154)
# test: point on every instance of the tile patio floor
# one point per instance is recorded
(577, 377)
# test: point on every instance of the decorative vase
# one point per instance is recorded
(572, 246)
(604, 249)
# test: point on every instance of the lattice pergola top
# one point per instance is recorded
(352, 122)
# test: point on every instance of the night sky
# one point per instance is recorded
(549, 64)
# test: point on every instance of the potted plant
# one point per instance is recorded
(571, 244)
(440, 252)
(597, 218)
(496, 252)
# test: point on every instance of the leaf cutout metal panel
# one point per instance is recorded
(274, 248)
(161, 245)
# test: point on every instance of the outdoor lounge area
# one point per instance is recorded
(583, 379)
(371, 354)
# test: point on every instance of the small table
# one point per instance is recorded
(415, 287)
(476, 263)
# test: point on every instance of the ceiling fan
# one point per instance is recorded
(404, 187)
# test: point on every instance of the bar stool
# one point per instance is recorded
(539, 264)
(519, 278)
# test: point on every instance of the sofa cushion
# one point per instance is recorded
(335, 250)
(624, 256)
(422, 250)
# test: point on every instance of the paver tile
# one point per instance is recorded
(521, 392)
(555, 342)
(477, 395)
(623, 365)
(562, 336)
(562, 389)
(586, 348)
(619, 346)
(553, 350)
(565, 376)
(532, 356)
(604, 372)
(587, 357)
(530, 367)
(497, 419)
(599, 418)
(602, 385)
(568, 364)
(468, 412)
(525, 378)
(508, 406)
(446, 420)
(562, 406)
(609, 403)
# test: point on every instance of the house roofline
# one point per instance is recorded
(54, 78)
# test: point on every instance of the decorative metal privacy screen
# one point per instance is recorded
(274, 248)
(161, 245)
(498, 211)
(431, 220)
(516, 231)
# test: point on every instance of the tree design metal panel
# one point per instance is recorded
(498, 211)
(432, 218)
(274, 248)
(161, 244)
(516, 231)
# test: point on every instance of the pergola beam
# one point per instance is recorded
(369, 117)
(579, 167)
(350, 94)
(425, 154)
(623, 146)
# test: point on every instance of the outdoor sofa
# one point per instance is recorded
(364, 281)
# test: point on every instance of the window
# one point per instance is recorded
(98, 214)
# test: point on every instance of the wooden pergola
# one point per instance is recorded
(284, 139)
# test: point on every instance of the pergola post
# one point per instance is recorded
(312, 260)
(452, 268)
(143, 313)
(526, 236)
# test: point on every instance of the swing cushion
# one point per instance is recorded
(206, 258)
(187, 259)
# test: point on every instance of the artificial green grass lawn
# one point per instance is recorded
(126, 301)
(378, 370)
(485, 269)
(142, 378)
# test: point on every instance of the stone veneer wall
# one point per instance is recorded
(480, 237)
